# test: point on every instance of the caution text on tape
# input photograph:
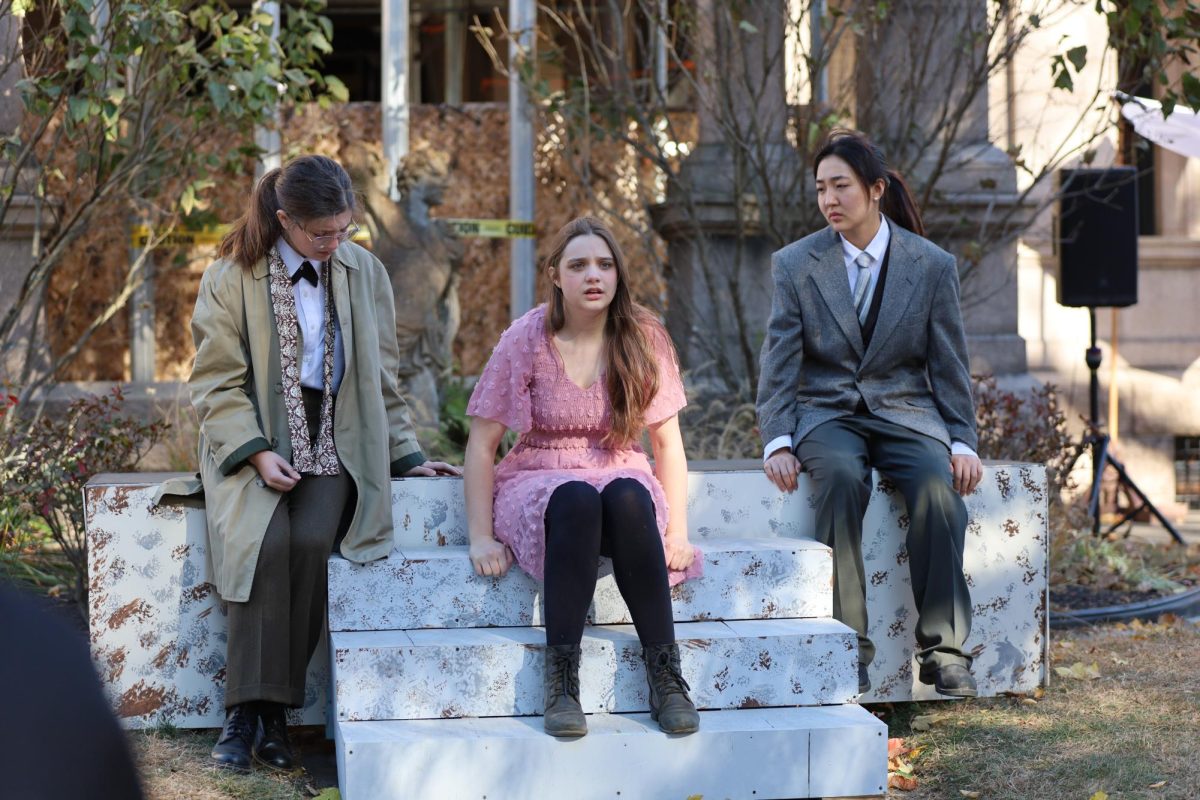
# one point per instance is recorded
(492, 228)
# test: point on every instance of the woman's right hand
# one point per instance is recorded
(490, 558)
(274, 470)
(782, 468)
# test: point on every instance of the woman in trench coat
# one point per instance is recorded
(301, 426)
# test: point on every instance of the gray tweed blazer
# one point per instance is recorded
(814, 364)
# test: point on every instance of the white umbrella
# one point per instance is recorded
(1178, 132)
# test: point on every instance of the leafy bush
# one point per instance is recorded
(47, 460)
(720, 427)
(1032, 427)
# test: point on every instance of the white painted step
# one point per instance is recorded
(494, 672)
(756, 754)
(743, 579)
(732, 501)
(1005, 558)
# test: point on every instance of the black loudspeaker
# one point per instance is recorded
(1098, 237)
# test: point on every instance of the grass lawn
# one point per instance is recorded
(1127, 727)
(1125, 723)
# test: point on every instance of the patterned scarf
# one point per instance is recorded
(319, 458)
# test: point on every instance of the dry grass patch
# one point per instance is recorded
(1122, 717)
(175, 765)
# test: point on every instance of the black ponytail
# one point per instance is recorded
(869, 166)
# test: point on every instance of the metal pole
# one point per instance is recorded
(141, 321)
(394, 88)
(1114, 393)
(659, 30)
(267, 138)
(522, 18)
(454, 57)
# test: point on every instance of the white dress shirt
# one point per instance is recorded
(310, 314)
(876, 248)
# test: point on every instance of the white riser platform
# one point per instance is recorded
(1005, 560)
(754, 754)
(158, 629)
(744, 579)
(429, 674)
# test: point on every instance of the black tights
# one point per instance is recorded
(582, 524)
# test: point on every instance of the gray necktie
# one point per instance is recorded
(862, 297)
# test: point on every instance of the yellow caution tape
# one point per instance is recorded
(492, 228)
(139, 236)
(207, 235)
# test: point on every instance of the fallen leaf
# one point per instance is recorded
(969, 794)
(1028, 701)
(1101, 795)
(1079, 671)
(330, 794)
(1157, 785)
(904, 783)
(1039, 693)
(925, 721)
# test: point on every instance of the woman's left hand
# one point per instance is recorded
(680, 552)
(431, 469)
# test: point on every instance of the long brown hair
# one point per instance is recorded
(306, 188)
(631, 376)
(868, 164)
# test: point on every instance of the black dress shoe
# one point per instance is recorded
(232, 750)
(864, 680)
(952, 680)
(273, 748)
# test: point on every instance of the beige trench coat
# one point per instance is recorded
(237, 393)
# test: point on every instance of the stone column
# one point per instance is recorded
(718, 253)
(909, 74)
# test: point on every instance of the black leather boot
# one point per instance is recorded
(273, 748)
(232, 750)
(669, 701)
(952, 680)
(563, 715)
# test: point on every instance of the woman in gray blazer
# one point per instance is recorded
(865, 366)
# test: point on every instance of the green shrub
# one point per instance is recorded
(48, 458)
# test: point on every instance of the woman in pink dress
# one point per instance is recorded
(579, 379)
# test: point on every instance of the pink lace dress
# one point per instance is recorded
(525, 387)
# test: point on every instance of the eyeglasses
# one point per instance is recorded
(333, 238)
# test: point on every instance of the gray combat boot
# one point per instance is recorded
(669, 701)
(563, 715)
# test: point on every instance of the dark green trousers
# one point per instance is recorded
(839, 456)
(273, 635)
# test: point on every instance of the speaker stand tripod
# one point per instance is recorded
(1101, 458)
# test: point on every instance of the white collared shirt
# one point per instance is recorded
(310, 315)
(877, 248)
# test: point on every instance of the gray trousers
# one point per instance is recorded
(272, 636)
(838, 456)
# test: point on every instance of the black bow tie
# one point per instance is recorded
(306, 271)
